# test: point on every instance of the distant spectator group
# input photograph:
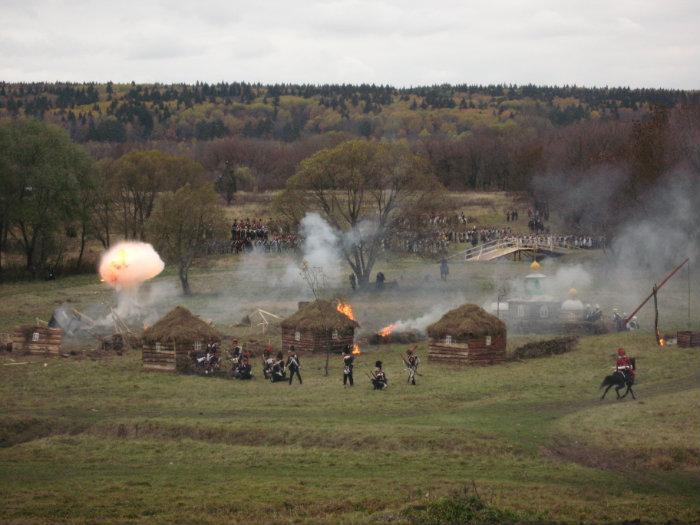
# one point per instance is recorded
(255, 236)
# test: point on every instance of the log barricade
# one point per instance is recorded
(37, 340)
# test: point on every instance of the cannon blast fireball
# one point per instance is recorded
(128, 264)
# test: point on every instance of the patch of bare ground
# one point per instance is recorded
(17, 430)
(619, 460)
(447, 442)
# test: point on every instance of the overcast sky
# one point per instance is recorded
(653, 43)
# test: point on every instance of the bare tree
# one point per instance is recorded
(365, 190)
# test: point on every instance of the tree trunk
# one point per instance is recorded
(79, 261)
(184, 282)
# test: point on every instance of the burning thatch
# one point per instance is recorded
(319, 315)
(410, 336)
(181, 326)
(467, 322)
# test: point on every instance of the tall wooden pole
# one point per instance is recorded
(656, 288)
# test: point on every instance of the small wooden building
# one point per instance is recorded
(467, 335)
(318, 327)
(688, 339)
(37, 340)
(169, 343)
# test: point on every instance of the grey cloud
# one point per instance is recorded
(402, 42)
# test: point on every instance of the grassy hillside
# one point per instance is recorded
(101, 441)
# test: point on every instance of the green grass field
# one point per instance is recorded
(97, 440)
(101, 441)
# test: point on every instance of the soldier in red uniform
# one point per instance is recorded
(624, 364)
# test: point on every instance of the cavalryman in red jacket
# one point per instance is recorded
(624, 363)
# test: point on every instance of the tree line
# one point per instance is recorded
(57, 195)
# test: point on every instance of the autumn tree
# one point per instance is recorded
(183, 223)
(365, 190)
(135, 180)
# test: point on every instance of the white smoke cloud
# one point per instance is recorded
(321, 245)
(420, 323)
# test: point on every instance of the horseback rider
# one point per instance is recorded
(379, 379)
(623, 376)
(624, 364)
(411, 362)
(348, 363)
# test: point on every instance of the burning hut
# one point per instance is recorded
(167, 344)
(467, 335)
(319, 326)
(37, 340)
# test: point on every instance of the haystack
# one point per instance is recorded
(468, 335)
(318, 327)
(168, 343)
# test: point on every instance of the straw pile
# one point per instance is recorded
(181, 326)
(467, 322)
(317, 316)
(556, 346)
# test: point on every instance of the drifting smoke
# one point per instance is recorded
(128, 264)
(321, 245)
(565, 278)
(666, 231)
(419, 324)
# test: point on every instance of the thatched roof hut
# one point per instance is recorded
(181, 326)
(168, 344)
(469, 321)
(319, 315)
(468, 335)
(318, 327)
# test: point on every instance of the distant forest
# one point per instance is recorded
(472, 137)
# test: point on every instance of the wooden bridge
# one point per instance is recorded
(498, 248)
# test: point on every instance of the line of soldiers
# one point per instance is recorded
(378, 376)
(276, 369)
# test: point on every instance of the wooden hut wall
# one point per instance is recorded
(316, 340)
(469, 352)
(37, 340)
(169, 357)
(159, 357)
(688, 339)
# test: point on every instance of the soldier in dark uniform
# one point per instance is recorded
(411, 362)
(278, 372)
(348, 363)
(380, 281)
(293, 365)
(444, 269)
(379, 378)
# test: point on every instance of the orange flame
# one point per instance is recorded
(356, 349)
(386, 331)
(345, 308)
(660, 340)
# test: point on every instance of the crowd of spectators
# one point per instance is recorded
(430, 235)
